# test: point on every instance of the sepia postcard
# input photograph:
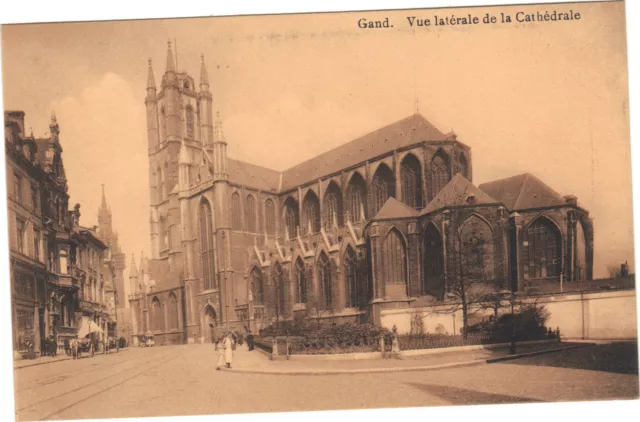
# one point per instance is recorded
(318, 211)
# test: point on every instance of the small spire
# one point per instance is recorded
(151, 80)
(218, 132)
(133, 272)
(171, 64)
(53, 126)
(204, 77)
(53, 116)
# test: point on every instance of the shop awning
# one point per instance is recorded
(88, 327)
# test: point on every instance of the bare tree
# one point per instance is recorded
(472, 292)
(316, 307)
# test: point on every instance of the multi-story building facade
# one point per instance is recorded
(57, 281)
(388, 220)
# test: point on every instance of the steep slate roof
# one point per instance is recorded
(457, 192)
(251, 175)
(395, 209)
(523, 192)
(405, 132)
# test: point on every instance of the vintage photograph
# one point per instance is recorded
(319, 211)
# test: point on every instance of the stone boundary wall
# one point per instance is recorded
(588, 315)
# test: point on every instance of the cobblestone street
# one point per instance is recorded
(181, 380)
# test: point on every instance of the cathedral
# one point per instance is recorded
(388, 221)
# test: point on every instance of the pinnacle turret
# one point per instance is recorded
(218, 132)
(151, 80)
(133, 271)
(171, 64)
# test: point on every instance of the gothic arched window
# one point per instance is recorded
(324, 280)
(351, 278)
(270, 216)
(257, 286)
(291, 217)
(433, 274)
(156, 315)
(411, 175)
(545, 249)
(250, 214)
(440, 172)
(311, 214)
(236, 215)
(206, 246)
(174, 321)
(356, 198)
(332, 207)
(189, 119)
(477, 249)
(383, 187)
(395, 258)
(279, 284)
(301, 282)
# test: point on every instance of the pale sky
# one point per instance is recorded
(546, 98)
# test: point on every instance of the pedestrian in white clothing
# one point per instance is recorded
(228, 350)
(220, 349)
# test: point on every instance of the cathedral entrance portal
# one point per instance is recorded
(209, 324)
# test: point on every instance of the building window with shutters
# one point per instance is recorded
(34, 198)
(20, 232)
(36, 243)
(17, 187)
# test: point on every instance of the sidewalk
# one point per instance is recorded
(257, 362)
(43, 360)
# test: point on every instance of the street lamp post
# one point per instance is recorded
(512, 347)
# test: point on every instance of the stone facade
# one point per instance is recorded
(390, 220)
(57, 266)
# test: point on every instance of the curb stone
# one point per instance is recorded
(406, 369)
(47, 362)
